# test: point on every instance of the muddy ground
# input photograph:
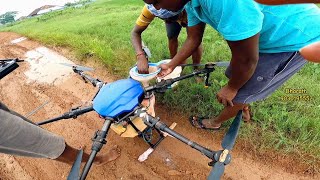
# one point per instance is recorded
(171, 160)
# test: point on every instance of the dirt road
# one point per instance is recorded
(30, 86)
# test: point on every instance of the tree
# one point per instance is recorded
(8, 17)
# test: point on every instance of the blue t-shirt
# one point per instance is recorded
(284, 28)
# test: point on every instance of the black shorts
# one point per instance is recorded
(272, 71)
(173, 29)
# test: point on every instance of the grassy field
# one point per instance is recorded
(102, 30)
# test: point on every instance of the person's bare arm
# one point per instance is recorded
(245, 55)
(136, 37)
(142, 61)
(194, 39)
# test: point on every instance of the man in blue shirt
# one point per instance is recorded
(264, 42)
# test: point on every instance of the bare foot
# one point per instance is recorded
(246, 114)
(112, 155)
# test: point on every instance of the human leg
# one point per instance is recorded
(271, 72)
(173, 30)
(20, 137)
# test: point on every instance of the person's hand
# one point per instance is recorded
(226, 95)
(142, 64)
(165, 70)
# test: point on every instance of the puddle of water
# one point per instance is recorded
(18, 40)
(45, 66)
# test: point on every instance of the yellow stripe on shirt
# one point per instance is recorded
(145, 17)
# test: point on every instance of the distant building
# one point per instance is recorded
(45, 9)
(55, 8)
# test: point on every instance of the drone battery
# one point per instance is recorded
(6, 67)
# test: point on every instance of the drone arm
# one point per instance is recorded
(95, 82)
(149, 120)
(169, 82)
(68, 115)
(7, 60)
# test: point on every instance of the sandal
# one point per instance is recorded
(199, 124)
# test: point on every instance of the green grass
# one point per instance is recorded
(102, 29)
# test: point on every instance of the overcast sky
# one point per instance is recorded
(25, 7)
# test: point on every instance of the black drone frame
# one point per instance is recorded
(8, 65)
(218, 158)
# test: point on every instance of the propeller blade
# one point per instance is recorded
(219, 64)
(193, 65)
(75, 170)
(230, 137)
(80, 68)
(217, 171)
(146, 50)
(222, 64)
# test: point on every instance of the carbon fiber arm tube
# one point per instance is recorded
(93, 81)
(71, 114)
(163, 127)
(168, 82)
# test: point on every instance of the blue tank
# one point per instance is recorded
(118, 98)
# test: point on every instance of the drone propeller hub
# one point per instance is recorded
(223, 157)
(209, 65)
